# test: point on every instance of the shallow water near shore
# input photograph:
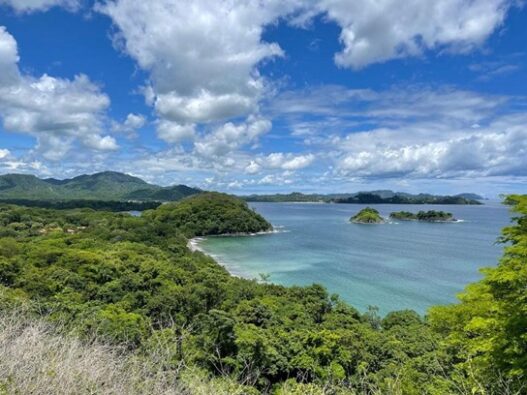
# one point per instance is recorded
(397, 265)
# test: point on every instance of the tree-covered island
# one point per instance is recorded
(425, 216)
(367, 215)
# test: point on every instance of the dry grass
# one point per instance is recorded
(34, 359)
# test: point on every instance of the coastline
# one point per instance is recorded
(193, 245)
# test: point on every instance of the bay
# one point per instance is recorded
(394, 266)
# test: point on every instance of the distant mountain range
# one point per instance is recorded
(370, 197)
(104, 186)
(119, 187)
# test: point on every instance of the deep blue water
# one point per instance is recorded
(393, 266)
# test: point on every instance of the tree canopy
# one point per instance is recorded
(486, 333)
(210, 213)
(132, 282)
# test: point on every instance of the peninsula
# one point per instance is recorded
(208, 214)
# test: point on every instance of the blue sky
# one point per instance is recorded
(268, 96)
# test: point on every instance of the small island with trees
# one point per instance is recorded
(425, 216)
(367, 215)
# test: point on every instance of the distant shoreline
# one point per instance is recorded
(373, 197)
(373, 203)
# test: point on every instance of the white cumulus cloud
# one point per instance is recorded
(134, 121)
(4, 153)
(39, 5)
(476, 154)
(288, 161)
(202, 56)
(408, 132)
(376, 31)
(130, 125)
(252, 167)
(230, 137)
(56, 111)
(173, 132)
(8, 58)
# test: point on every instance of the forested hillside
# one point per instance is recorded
(179, 321)
(104, 186)
(210, 213)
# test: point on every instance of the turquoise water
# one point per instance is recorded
(393, 266)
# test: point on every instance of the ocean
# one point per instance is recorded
(393, 266)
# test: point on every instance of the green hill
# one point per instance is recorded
(210, 213)
(107, 185)
(27, 187)
(173, 193)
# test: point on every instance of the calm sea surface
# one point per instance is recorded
(393, 266)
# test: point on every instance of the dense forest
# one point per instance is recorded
(124, 294)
